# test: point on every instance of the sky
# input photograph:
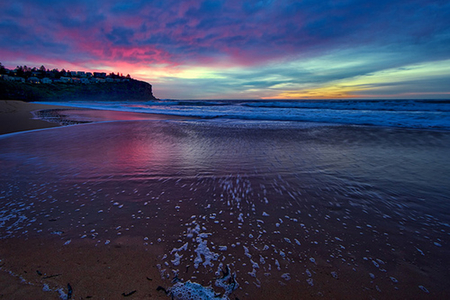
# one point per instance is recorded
(237, 49)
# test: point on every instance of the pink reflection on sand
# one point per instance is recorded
(82, 115)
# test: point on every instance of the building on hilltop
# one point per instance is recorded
(99, 75)
(33, 80)
(42, 75)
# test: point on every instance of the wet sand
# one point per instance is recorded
(17, 116)
(28, 266)
(93, 272)
(296, 213)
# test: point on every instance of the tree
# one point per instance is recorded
(20, 71)
(42, 69)
(2, 69)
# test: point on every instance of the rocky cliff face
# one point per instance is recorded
(133, 90)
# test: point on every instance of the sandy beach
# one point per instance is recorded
(113, 210)
(26, 266)
(17, 116)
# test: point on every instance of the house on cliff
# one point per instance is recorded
(33, 80)
(11, 78)
(99, 75)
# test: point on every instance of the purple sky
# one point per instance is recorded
(241, 49)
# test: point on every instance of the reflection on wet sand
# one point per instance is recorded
(280, 210)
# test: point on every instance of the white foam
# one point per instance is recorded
(194, 291)
(176, 260)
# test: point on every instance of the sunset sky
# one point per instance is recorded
(238, 49)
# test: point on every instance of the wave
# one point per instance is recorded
(382, 105)
(423, 114)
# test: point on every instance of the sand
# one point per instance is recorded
(17, 116)
(27, 266)
(87, 225)
(92, 272)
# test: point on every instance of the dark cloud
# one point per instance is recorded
(223, 33)
(120, 36)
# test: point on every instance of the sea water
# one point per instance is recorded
(425, 114)
(326, 208)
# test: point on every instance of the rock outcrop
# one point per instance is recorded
(133, 90)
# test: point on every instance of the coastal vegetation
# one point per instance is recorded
(41, 84)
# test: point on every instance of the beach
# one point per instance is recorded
(17, 116)
(25, 264)
(123, 203)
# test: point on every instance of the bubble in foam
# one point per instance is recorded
(190, 290)
(194, 291)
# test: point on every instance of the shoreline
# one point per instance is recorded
(44, 267)
(78, 219)
(17, 116)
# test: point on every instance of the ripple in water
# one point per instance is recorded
(237, 210)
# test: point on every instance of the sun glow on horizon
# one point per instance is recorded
(361, 86)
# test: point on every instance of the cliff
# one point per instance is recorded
(132, 90)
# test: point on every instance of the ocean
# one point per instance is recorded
(245, 199)
(421, 114)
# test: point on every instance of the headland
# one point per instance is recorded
(42, 84)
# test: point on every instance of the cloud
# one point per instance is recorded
(255, 46)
